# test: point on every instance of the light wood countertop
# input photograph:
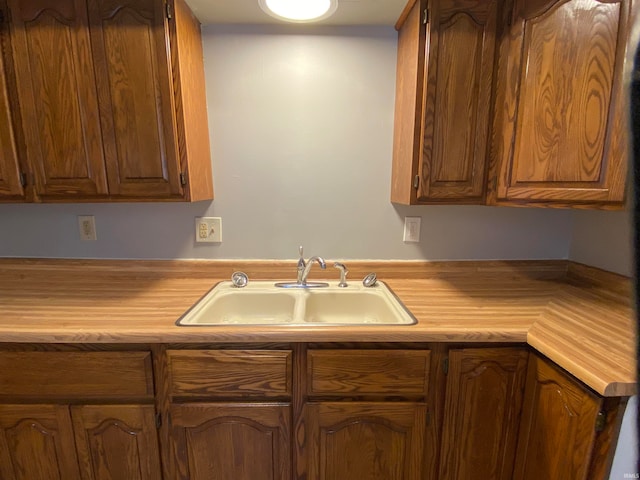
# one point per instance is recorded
(579, 317)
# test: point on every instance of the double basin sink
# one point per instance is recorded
(262, 303)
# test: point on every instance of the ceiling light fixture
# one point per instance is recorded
(299, 11)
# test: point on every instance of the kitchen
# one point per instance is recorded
(301, 126)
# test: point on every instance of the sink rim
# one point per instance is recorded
(269, 286)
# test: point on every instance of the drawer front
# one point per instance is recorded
(367, 372)
(230, 373)
(108, 375)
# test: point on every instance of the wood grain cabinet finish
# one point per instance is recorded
(561, 116)
(133, 72)
(111, 96)
(87, 375)
(36, 443)
(232, 441)
(10, 168)
(116, 442)
(558, 427)
(368, 372)
(445, 69)
(202, 374)
(485, 388)
(57, 94)
(365, 440)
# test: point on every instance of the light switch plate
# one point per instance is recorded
(208, 229)
(412, 229)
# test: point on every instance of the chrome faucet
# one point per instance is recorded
(302, 278)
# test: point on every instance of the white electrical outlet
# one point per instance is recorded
(412, 229)
(87, 227)
(209, 229)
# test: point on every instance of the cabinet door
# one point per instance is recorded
(232, 441)
(485, 387)
(364, 441)
(564, 130)
(116, 442)
(57, 96)
(461, 42)
(36, 443)
(130, 49)
(10, 185)
(557, 431)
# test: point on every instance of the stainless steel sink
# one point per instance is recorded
(261, 303)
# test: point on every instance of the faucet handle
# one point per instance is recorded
(301, 262)
(343, 274)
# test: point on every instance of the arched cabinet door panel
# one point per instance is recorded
(36, 443)
(232, 441)
(116, 442)
(57, 95)
(362, 440)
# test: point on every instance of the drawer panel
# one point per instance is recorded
(367, 372)
(230, 373)
(108, 375)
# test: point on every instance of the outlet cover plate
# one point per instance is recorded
(412, 229)
(87, 228)
(208, 229)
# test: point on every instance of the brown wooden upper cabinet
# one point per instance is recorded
(561, 130)
(511, 102)
(112, 99)
(446, 52)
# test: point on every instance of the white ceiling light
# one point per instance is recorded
(299, 11)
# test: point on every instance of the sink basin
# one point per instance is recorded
(261, 303)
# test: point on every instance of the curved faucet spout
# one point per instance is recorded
(305, 273)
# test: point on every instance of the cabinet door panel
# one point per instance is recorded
(134, 85)
(557, 430)
(366, 441)
(36, 443)
(117, 442)
(565, 91)
(56, 87)
(458, 95)
(482, 411)
(232, 441)
(10, 186)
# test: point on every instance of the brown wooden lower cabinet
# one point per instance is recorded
(232, 441)
(97, 442)
(365, 440)
(406, 413)
(559, 427)
(483, 400)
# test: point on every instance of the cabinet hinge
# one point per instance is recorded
(601, 421)
(183, 179)
(158, 420)
(416, 181)
(23, 179)
(425, 16)
(445, 366)
(169, 10)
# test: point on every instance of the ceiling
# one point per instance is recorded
(350, 12)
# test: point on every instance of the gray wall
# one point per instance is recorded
(302, 130)
(602, 239)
